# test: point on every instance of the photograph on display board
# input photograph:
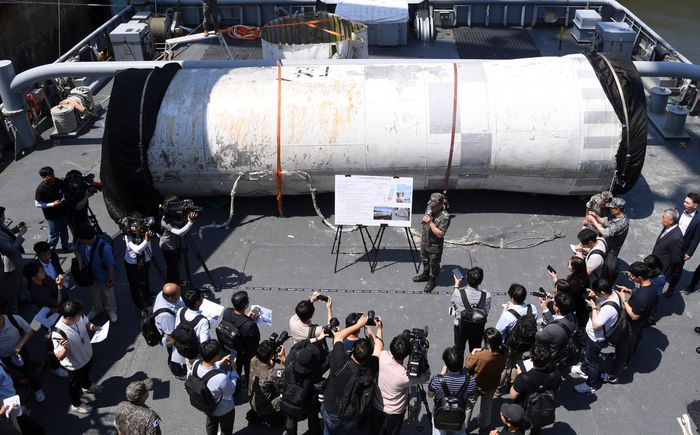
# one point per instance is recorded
(400, 214)
(403, 194)
(383, 213)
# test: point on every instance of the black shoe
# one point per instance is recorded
(423, 277)
(697, 349)
(688, 291)
(697, 329)
(429, 286)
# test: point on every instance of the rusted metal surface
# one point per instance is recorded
(533, 125)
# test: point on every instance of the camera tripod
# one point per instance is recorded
(416, 399)
(187, 242)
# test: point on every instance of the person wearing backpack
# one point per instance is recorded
(534, 389)
(249, 337)
(191, 327)
(639, 309)
(101, 264)
(604, 304)
(469, 324)
(168, 302)
(393, 382)
(14, 335)
(517, 326)
(220, 381)
(593, 249)
(486, 365)
(351, 383)
(454, 383)
(559, 324)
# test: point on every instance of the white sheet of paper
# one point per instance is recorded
(101, 334)
(14, 400)
(176, 357)
(41, 319)
(574, 248)
(212, 311)
(265, 315)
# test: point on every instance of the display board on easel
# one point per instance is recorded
(373, 201)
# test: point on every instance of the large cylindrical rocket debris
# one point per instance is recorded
(542, 125)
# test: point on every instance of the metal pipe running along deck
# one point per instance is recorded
(541, 125)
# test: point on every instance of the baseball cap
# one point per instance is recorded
(616, 203)
(306, 358)
(436, 199)
(514, 413)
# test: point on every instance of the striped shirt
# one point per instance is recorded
(454, 381)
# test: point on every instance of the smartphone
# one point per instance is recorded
(551, 269)
(540, 294)
(452, 310)
(457, 273)
(323, 298)
(233, 355)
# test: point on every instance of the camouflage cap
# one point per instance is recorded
(616, 203)
(436, 199)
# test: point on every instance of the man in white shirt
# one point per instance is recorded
(193, 299)
(169, 299)
(72, 347)
(603, 318)
(137, 259)
(593, 250)
(300, 323)
(221, 384)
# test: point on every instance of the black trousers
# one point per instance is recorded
(172, 264)
(243, 363)
(696, 279)
(79, 379)
(137, 275)
(27, 369)
(314, 422)
(474, 340)
(385, 424)
(224, 421)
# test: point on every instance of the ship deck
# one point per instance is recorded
(278, 260)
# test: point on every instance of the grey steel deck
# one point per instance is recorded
(280, 257)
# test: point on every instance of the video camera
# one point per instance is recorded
(78, 184)
(178, 210)
(138, 227)
(417, 360)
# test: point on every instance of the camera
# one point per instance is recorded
(78, 184)
(178, 210)
(138, 227)
(417, 360)
(278, 339)
(370, 318)
(330, 328)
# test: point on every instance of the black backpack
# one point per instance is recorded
(540, 408)
(149, 330)
(522, 336)
(611, 264)
(297, 391)
(570, 353)
(184, 336)
(451, 411)
(473, 318)
(621, 329)
(354, 402)
(200, 395)
(229, 333)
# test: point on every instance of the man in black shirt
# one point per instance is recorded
(49, 198)
(76, 200)
(250, 333)
(342, 368)
(639, 308)
(527, 383)
(560, 323)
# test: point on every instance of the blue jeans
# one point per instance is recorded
(58, 228)
(591, 362)
(332, 425)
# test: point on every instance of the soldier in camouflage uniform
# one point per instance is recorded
(210, 16)
(433, 228)
(133, 417)
(596, 204)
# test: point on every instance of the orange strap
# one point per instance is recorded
(454, 126)
(278, 174)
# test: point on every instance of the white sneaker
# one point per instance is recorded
(93, 313)
(94, 389)
(584, 388)
(576, 370)
(82, 409)
(60, 372)
(113, 316)
(39, 396)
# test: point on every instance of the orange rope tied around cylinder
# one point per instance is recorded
(454, 126)
(278, 173)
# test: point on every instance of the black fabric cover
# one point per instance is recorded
(629, 161)
(128, 186)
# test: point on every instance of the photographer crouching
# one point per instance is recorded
(138, 232)
(178, 217)
(263, 392)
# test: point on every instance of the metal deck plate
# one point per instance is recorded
(494, 43)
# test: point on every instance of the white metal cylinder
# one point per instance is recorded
(530, 125)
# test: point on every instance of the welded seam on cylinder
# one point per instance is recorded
(454, 126)
(278, 173)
